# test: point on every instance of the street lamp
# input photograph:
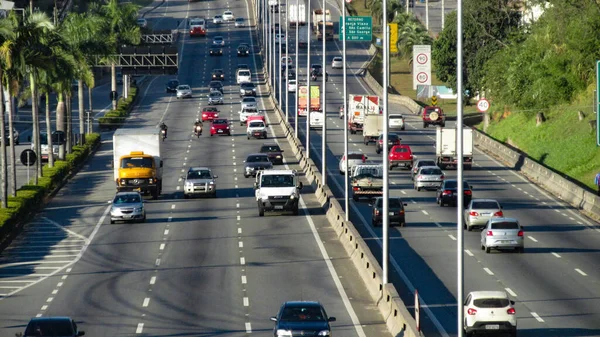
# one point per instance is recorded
(386, 187)
(324, 108)
(459, 168)
(345, 102)
(308, 83)
(297, 70)
(280, 54)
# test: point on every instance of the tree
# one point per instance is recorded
(6, 29)
(410, 34)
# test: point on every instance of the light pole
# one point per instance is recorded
(308, 83)
(324, 130)
(287, 66)
(459, 168)
(345, 128)
(427, 14)
(297, 70)
(443, 13)
(386, 187)
(280, 100)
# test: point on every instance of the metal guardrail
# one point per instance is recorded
(158, 38)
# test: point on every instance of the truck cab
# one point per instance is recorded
(277, 190)
(256, 129)
(139, 172)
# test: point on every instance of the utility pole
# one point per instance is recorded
(386, 188)
(324, 108)
(287, 66)
(308, 83)
(297, 70)
(279, 40)
(345, 128)
(459, 171)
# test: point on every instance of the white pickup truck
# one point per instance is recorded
(256, 129)
(277, 190)
(366, 181)
(247, 112)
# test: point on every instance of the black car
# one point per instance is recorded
(393, 139)
(247, 89)
(52, 326)
(256, 162)
(446, 193)
(274, 152)
(395, 209)
(218, 74)
(291, 74)
(218, 85)
(316, 67)
(172, 86)
(243, 50)
(215, 51)
(308, 318)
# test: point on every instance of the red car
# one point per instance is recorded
(197, 31)
(220, 126)
(210, 113)
(401, 155)
(433, 115)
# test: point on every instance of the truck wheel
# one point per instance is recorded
(112, 222)
(248, 137)
(155, 194)
(261, 210)
(366, 141)
(185, 196)
(443, 125)
(295, 211)
(424, 125)
(355, 197)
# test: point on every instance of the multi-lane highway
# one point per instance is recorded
(198, 267)
(555, 282)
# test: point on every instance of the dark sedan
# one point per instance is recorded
(52, 326)
(216, 85)
(274, 152)
(302, 318)
(218, 74)
(395, 210)
(256, 162)
(215, 51)
(172, 86)
(393, 139)
(446, 194)
(243, 50)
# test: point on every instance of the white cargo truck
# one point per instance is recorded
(297, 13)
(137, 161)
(316, 120)
(445, 147)
(358, 107)
(372, 128)
(303, 37)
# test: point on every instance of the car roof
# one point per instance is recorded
(199, 168)
(256, 154)
(429, 167)
(274, 172)
(127, 193)
(51, 318)
(424, 159)
(302, 304)
(502, 219)
(484, 200)
(488, 294)
(270, 144)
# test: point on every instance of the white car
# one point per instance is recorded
(316, 119)
(279, 38)
(292, 86)
(286, 60)
(228, 16)
(355, 158)
(218, 19)
(396, 122)
(337, 62)
(243, 75)
(256, 129)
(218, 41)
(249, 102)
(240, 22)
(184, 91)
(247, 112)
(489, 311)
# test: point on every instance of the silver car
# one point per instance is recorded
(479, 211)
(502, 233)
(249, 103)
(184, 91)
(218, 41)
(199, 181)
(240, 22)
(417, 164)
(218, 19)
(215, 97)
(428, 177)
(337, 62)
(127, 206)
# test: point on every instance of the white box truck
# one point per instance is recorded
(303, 37)
(358, 107)
(372, 128)
(297, 13)
(445, 147)
(137, 161)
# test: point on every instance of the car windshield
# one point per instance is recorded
(355, 156)
(199, 174)
(215, 94)
(401, 149)
(239, 20)
(485, 205)
(173, 83)
(183, 87)
(57, 139)
(270, 148)
(452, 184)
(505, 225)
(248, 85)
(244, 73)
(133, 162)
(426, 163)
(337, 58)
(249, 100)
(299, 314)
(257, 159)
(491, 302)
(431, 171)
(277, 180)
(215, 84)
(219, 121)
(257, 125)
(393, 203)
(127, 199)
(396, 117)
(50, 328)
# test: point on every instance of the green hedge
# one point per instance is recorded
(30, 197)
(114, 118)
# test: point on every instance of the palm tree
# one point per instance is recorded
(6, 29)
(411, 34)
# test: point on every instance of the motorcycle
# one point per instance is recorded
(313, 77)
(198, 130)
(163, 133)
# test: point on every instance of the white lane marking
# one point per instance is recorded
(44, 307)
(241, 244)
(38, 315)
(246, 301)
(402, 192)
(452, 237)
(557, 210)
(238, 218)
(468, 252)
(242, 261)
(153, 280)
(438, 224)
(146, 302)
(532, 238)
(558, 256)
(173, 206)
(510, 292)
(237, 205)
(244, 280)
(177, 188)
(64, 277)
(50, 299)
(424, 212)
(55, 291)
(248, 327)
(166, 232)
(140, 326)
(571, 218)
(57, 225)
(537, 317)
(59, 284)
(239, 231)
(157, 262)
(169, 219)
(580, 272)
(162, 246)
(487, 270)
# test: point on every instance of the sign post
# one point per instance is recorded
(359, 28)
(483, 105)
(28, 158)
(421, 65)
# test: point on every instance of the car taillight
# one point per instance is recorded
(442, 177)
(471, 311)
(216, 115)
(468, 192)
(490, 233)
(203, 115)
(212, 127)
(355, 188)
(511, 311)
(376, 212)
(473, 213)
(447, 192)
(364, 159)
(380, 141)
(520, 233)
(499, 213)
(410, 156)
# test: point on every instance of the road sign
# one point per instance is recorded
(359, 28)
(348, 1)
(393, 37)
(434, 100)
(483, 105)
(421, 65)
(28, 157)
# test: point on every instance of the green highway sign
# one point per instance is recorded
(359, 28)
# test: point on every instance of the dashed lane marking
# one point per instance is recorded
(557, 255)
(532, 238)
(580, 272)
(537, 317)
(140, 328)
(487, 270)
(510, 292)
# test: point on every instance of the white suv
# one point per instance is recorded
(243, 75)
(277, 190)
(489, 312)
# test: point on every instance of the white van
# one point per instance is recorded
(243, 75)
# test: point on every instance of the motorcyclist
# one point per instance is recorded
(314, 75)
(326, 77)
(163, 127)
(197, 124)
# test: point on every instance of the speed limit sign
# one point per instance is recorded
(483, 105)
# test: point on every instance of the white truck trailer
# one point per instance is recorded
(297, 14)
(445, 147)
(372, 128)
